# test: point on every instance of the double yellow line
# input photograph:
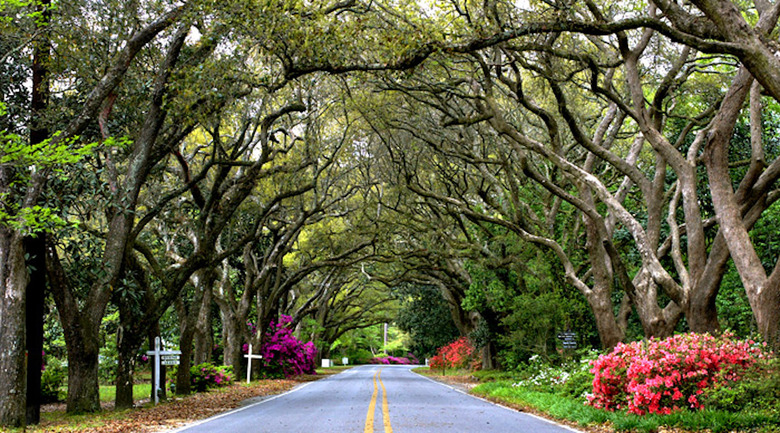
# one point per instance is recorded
(369, 428)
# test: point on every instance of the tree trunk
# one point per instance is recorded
(702, 313)
(129, 338)
(763, 290)
(204, 339)
(232, 341)
(185, 361)
(36, 296)
(767, 312)
(124, 374)
(82, 331)
(600, 296)
(610, 333)
(35, 246)
(488, 356)
(656, 322)
(13, 281)
(83, 385)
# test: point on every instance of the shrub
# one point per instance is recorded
(387, 360)
(578, 385)
(457, 354)
(572, 379)
(758, 391)
(207, 375)
(662, 376)
(283, 354)
(52, 378)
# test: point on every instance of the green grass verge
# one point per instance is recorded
(427, 371)
(335, 368)
(140, 390)
(570, 409)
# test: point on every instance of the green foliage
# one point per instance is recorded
(53, 155)
(52, 379)
(494, 375)
(578, 384)
(758, 391)
(359, 345)
(109, 355)
(425, 316)
(529, 301)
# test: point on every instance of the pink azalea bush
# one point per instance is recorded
(285, 355)
(387, 360)
(662, 376)
(207, 375)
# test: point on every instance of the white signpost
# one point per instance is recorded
(164, 357)
(249, 357)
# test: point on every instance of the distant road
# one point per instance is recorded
(371, 399)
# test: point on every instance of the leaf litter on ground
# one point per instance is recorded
(171, 414)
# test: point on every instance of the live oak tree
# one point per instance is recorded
(29, 197)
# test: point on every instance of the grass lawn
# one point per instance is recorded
(140, 391)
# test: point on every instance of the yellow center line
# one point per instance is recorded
(385, 408)
(369, 427)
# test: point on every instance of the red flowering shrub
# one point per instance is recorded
(662, 376)
(457, 354)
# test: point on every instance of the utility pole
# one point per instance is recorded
(385, 346)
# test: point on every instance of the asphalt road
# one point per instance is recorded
(370, 399)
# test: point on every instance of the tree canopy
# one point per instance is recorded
(500, 170)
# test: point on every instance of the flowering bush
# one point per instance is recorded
(662, 376)
(572, 378)
(409, 360)
(285, 355)
(457, 354)
(208, 375)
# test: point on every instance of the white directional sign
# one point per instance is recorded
(164, 357)
(169, 359)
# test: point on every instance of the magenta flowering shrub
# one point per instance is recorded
(285, 355)
(662, 376)
(387, 360)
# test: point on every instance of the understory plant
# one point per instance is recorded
(663, 376)
(757, 391)
(572, 378)
(53, 375)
